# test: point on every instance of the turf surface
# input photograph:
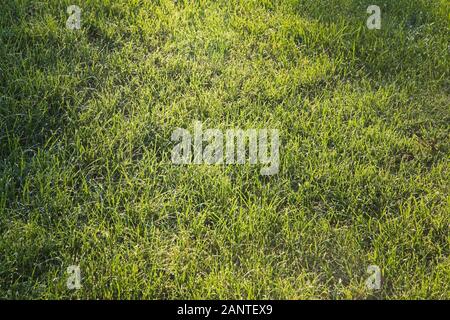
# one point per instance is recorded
(86, 179)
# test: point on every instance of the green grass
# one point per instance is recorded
(85, 172)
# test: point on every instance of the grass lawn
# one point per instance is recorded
(86, 177)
